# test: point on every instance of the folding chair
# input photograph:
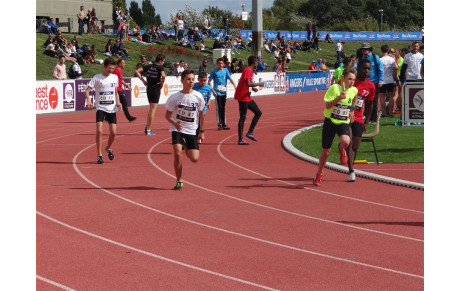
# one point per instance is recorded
(369, 137)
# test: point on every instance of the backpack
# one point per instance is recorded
(71, 73)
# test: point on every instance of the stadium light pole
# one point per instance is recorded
(257, 30)
(242, 6)
(381, 20)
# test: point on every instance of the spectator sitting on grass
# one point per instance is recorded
(108, 48)
(45, 27)
(50, 50)
(48, 40)
(312, 68)
(115, 50)
(89, 55)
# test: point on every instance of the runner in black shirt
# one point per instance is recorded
(155, 78)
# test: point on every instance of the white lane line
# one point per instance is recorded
(309, 188)
(152, 255)
(274, 208)
(63, 287)
(224, 230)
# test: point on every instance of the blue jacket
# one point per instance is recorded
(376, 73)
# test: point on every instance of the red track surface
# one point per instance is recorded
(247, 217)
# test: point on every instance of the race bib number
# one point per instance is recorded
(106, 97)
(340, 112)
(186, 113)
(359, 103)
(222, 88)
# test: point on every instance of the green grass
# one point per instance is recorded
(395, 144)
(45, 64)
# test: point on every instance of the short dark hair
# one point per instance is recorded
(119, 61)
(385, 48)
(252, 60)
(346, 61)
(160, 57)
(363, 61)
(109, 61)
(219, 60)
(202, 74)
(185, 73)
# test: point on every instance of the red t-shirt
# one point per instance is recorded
(242, 92)
(119, 73)
(366, 91)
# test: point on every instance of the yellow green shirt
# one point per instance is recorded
(338, 114)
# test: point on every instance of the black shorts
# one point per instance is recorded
(386, 88)
(357, 129)
(189, 139)
(329, 131)
(153, 94)
(110, 117)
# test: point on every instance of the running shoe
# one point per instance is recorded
(225, 127)
(100, 160)
(179, 185)
(243, 142)
(219, 127)
(145, 130)
(133, 118)
(149, 132)
(397, 111)
(343, 156)
(110, 154)
(352, 176)
(317, 180)
(250, 135)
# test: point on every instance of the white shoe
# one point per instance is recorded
(352, 177)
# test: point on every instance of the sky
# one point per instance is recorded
(164, 7)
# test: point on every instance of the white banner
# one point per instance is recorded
(54, 96)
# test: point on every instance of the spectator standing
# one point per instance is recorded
(390, 78)
(180, 27)
(59, 72)
(89, 22)
(119, 73)
(245, 102)
(106, 108)
(398, 89)
(115, 17)
(316, 42)
(338, 49)
(309, 31)
(81, 20)
(375, 75)
(227, 24)
(127, 19)
(314, 29)
(155, 79)
(410, 70)
(176, 27)
(220, 76)
(207, 27)
(203, 67)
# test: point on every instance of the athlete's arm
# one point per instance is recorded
(138, 74)
(117, 98)
(89, 104)
(171, 120)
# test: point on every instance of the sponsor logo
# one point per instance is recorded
(46, 99)
(69, 96)
(165, 89)
(136, 91)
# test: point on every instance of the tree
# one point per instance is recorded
(136, 13)
(217, 16)
(148, 13)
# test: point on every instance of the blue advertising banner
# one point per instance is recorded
(307, 82)
(340, 35)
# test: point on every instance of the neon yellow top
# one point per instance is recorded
(400, 63)
(338, 73)
(338, 114)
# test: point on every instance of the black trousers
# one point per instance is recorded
(124, 105)
(244, 106)
(220, 109)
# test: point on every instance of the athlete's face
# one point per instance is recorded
(122, 64)
(349, 80)
(364, 70)
(109, 69)
(415, 47)
(202, 81)
(220, 65)
(188, 82)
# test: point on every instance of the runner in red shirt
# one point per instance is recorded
(119, 72)
(243, 96)
(366, 93)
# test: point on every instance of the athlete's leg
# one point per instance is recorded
(243, 108)
(177, 148)
(222, 113)
(218, 110)
(257, 113)
(193, 155)
(382, 99)
(113, 133)
(99, 129)
(151, 115)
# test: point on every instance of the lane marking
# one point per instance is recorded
(270, 207)
(54, 283)
(152, 254)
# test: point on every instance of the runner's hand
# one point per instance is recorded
(178, 125)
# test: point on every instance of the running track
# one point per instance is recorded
(247, 217)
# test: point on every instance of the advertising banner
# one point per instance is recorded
(307, 82)
(54, 96)
(413, 105)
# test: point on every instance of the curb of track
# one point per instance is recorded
(287, 144)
